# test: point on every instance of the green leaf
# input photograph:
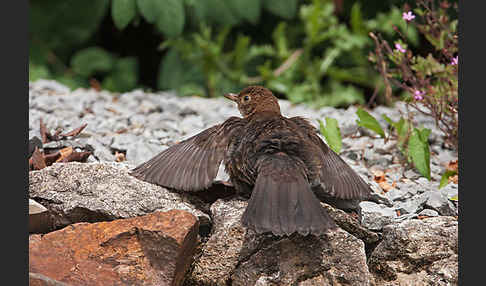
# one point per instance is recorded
(283, 8)
(149, 9)
(64, 24)
(444, 180)
(123, 12)
(215, 12)
(91, 60)
(246, 9)
(418, 150)
(123, 77)
(167, 15)
(357, 23)
(171, 18)
(38, 72)
(388, 120)
(174, 72)
(331, 133)
(366, 120)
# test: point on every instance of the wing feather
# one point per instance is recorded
(192, 164)
(337, 177)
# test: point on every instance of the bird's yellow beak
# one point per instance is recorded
(231, 96)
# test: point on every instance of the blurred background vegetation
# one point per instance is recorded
(315, 52)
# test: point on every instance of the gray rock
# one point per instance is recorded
(91, 192)
(411, 174)
(243, 258)
(379, 198)
(396, 194)
(428, 212)
(411, 206)
(438, 201)
(450, 190)
(417, 252)
(376, 216)
(405, 217)
(35, 207)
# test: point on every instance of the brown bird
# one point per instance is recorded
(280, 161)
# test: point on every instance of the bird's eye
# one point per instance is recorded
(246, 98)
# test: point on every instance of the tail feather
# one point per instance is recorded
(282, 201)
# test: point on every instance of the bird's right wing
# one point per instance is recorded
(192, 164)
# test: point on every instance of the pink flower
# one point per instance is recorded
(418, 95)
(455, 60)
(408, 16)
(399, 48)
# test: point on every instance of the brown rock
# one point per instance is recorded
(154, 249)
(233, 256)
(417, 252)
(36, 279)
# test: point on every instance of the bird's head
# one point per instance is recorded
(254, 99)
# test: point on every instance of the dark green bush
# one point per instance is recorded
(306, 51)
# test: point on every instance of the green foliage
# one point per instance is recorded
(331, 133)
(283, 8)
(431, 81)
(402, 130)
(175, 73)
(300, 49)
(366, 120)
(63, 24)
(444, 180)
(248, 10)
(123, 77)
(123, 12)
(412, 142)
(418, 150)
(91, 60)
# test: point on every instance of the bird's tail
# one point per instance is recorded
(282, 201)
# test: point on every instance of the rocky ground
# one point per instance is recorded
(107, 220)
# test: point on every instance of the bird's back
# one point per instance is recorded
(269, 135)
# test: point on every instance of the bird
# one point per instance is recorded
(279, 162)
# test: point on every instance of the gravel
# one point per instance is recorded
(142, 124)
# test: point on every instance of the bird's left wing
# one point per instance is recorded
(192, 164)
(338, 178)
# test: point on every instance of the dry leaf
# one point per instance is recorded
(37, 159)
(119, 156)
(45, 135)
(52, 157)
(76, 131)
(379, 176)
(454, 179)
(95, 84)
(385, 186)
(77, 156)
(65, 152)
(452, 165)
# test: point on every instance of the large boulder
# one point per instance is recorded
(233, 255)
(417, 252)
(92, 192)
(154, 249)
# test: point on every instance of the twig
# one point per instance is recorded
(282, 68)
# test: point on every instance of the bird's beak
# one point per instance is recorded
(231, 96)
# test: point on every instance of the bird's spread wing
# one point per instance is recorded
(192, 164)
(339, 179)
